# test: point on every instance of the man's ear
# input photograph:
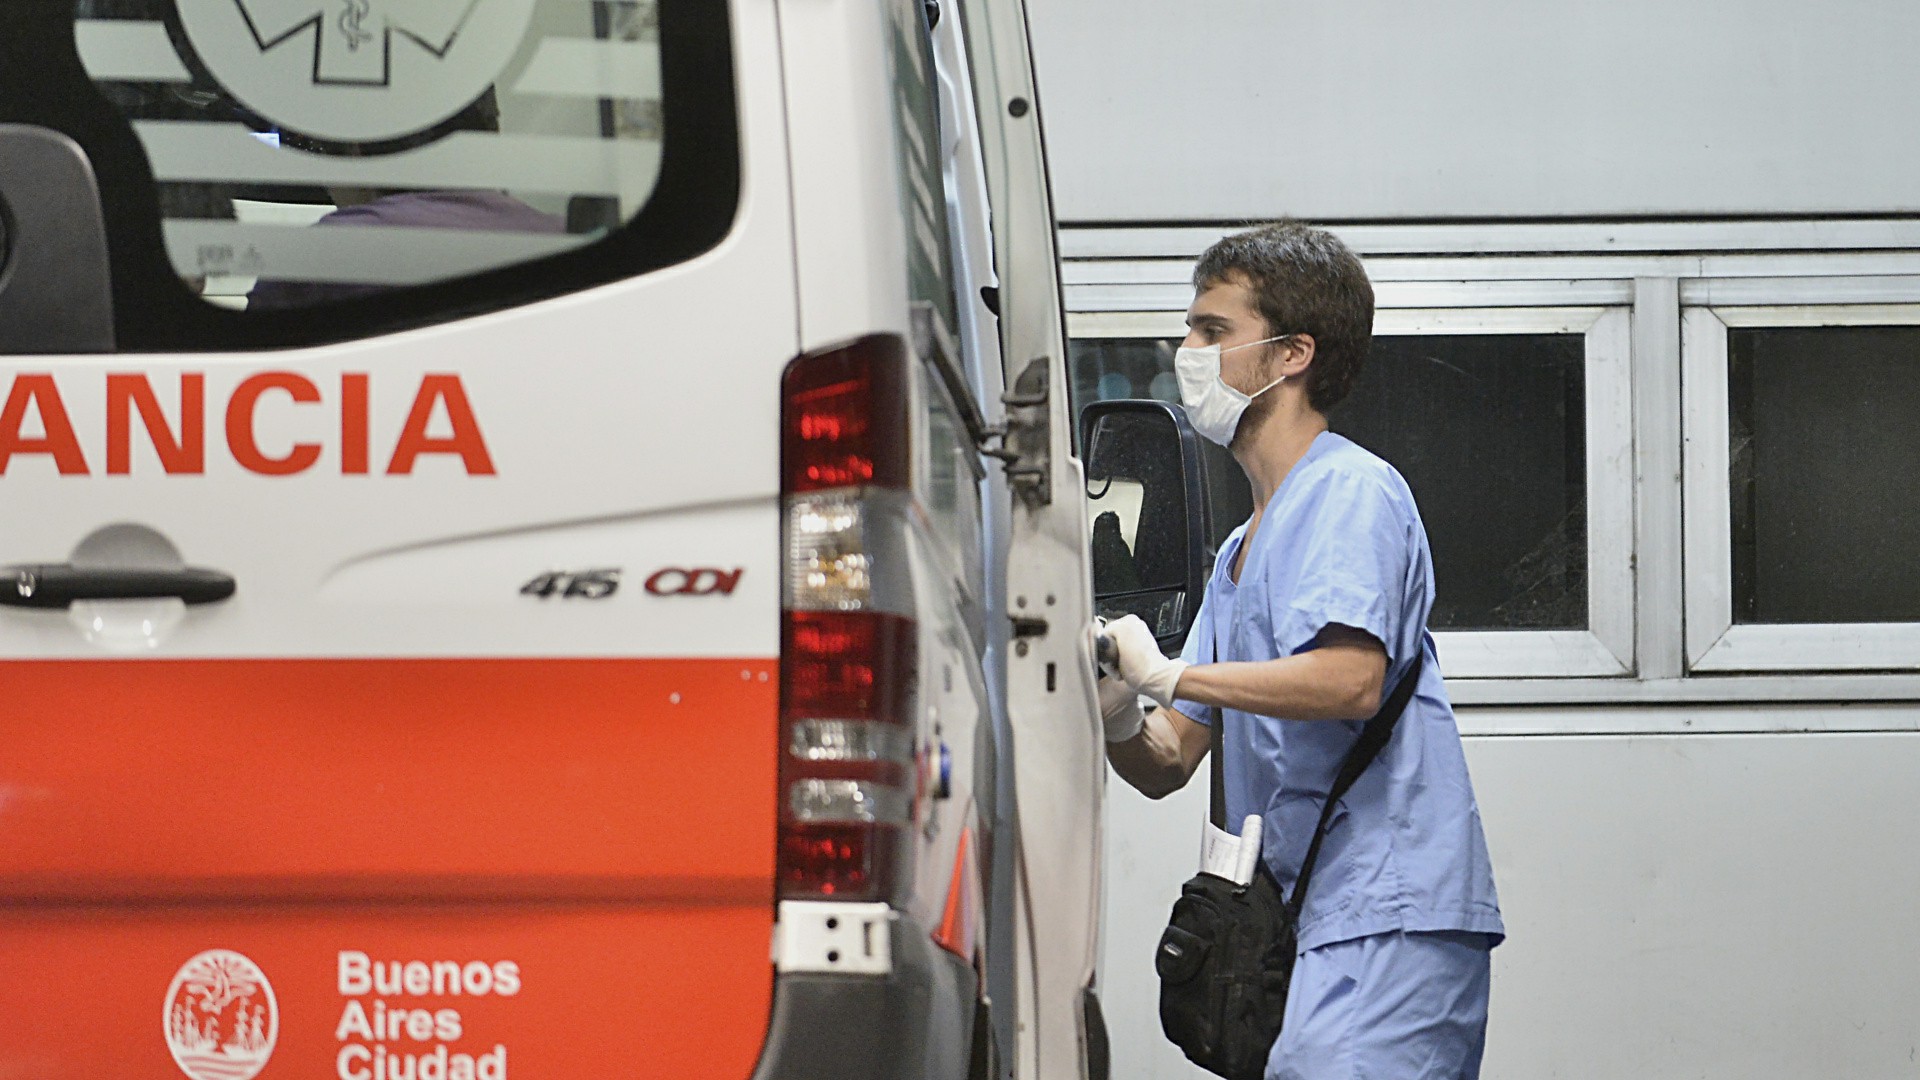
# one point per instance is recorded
(1296, 355)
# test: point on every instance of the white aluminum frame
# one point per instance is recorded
(1714, 642)
(1606, 648)
(1161, 284)
(1524, 238)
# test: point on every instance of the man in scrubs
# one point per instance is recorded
(1316, 609)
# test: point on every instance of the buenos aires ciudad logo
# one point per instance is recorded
(220, 1017)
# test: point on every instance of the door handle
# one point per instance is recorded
(55, 585)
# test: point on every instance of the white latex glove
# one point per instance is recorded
(1141, 663)
(1120, 709)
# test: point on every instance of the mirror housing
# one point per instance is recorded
(1160, 500)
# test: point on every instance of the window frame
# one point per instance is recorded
(1654, 268)
(1606, 648)
(1715, 643)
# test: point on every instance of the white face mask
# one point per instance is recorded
(1213, 407)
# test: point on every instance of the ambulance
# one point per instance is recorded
(540, 538)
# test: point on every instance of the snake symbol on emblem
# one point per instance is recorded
(355, 71)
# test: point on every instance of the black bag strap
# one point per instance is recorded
(1218, 771)
(1217, 732)
(1373, 738)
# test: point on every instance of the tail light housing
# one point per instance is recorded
(847, 664)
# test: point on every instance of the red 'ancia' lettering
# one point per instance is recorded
(182, 450)
(58, 441)
(186, 454)
(466, 440)
(240, 438)
(353, 425)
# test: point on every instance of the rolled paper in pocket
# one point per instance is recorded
(1232, 858)
(1249, 849)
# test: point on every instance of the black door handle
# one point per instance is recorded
(58, 584)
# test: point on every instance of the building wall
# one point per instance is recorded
(1383, 110)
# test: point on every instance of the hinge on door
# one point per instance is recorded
(1023, 439)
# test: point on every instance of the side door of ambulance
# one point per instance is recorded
(388, 500)
(1059, 756)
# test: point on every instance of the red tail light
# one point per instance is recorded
(847, 665)
(845, 418)
(837, 862)
(846, 775)
(847, 670)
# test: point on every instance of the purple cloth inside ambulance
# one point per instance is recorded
(477, 211)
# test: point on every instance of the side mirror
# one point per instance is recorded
(1147, 497)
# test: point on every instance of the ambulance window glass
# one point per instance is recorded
(923, 201)
(1489, 431)
(1822, 454)
(326, 151)
(952, 484)
(950, 491)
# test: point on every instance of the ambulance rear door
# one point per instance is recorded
(389, 404)
(1059, 755)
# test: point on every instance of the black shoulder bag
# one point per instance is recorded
(1227, 956)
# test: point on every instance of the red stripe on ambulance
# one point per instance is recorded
(33, 401)
(591, 841)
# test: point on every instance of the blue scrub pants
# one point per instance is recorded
(1397, 1006)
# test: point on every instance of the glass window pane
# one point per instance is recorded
(305, 154)
(951, 485)
(1490, 432)
(1110, 369)
(1824, 459)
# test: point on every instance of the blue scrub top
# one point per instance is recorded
(1341, 542)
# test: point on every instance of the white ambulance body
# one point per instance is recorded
(517, 561)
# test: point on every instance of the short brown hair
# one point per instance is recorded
(1304, 281)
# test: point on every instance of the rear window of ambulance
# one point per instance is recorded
(310, 170)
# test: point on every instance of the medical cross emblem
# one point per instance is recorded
(355, 71)
(353, 39)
